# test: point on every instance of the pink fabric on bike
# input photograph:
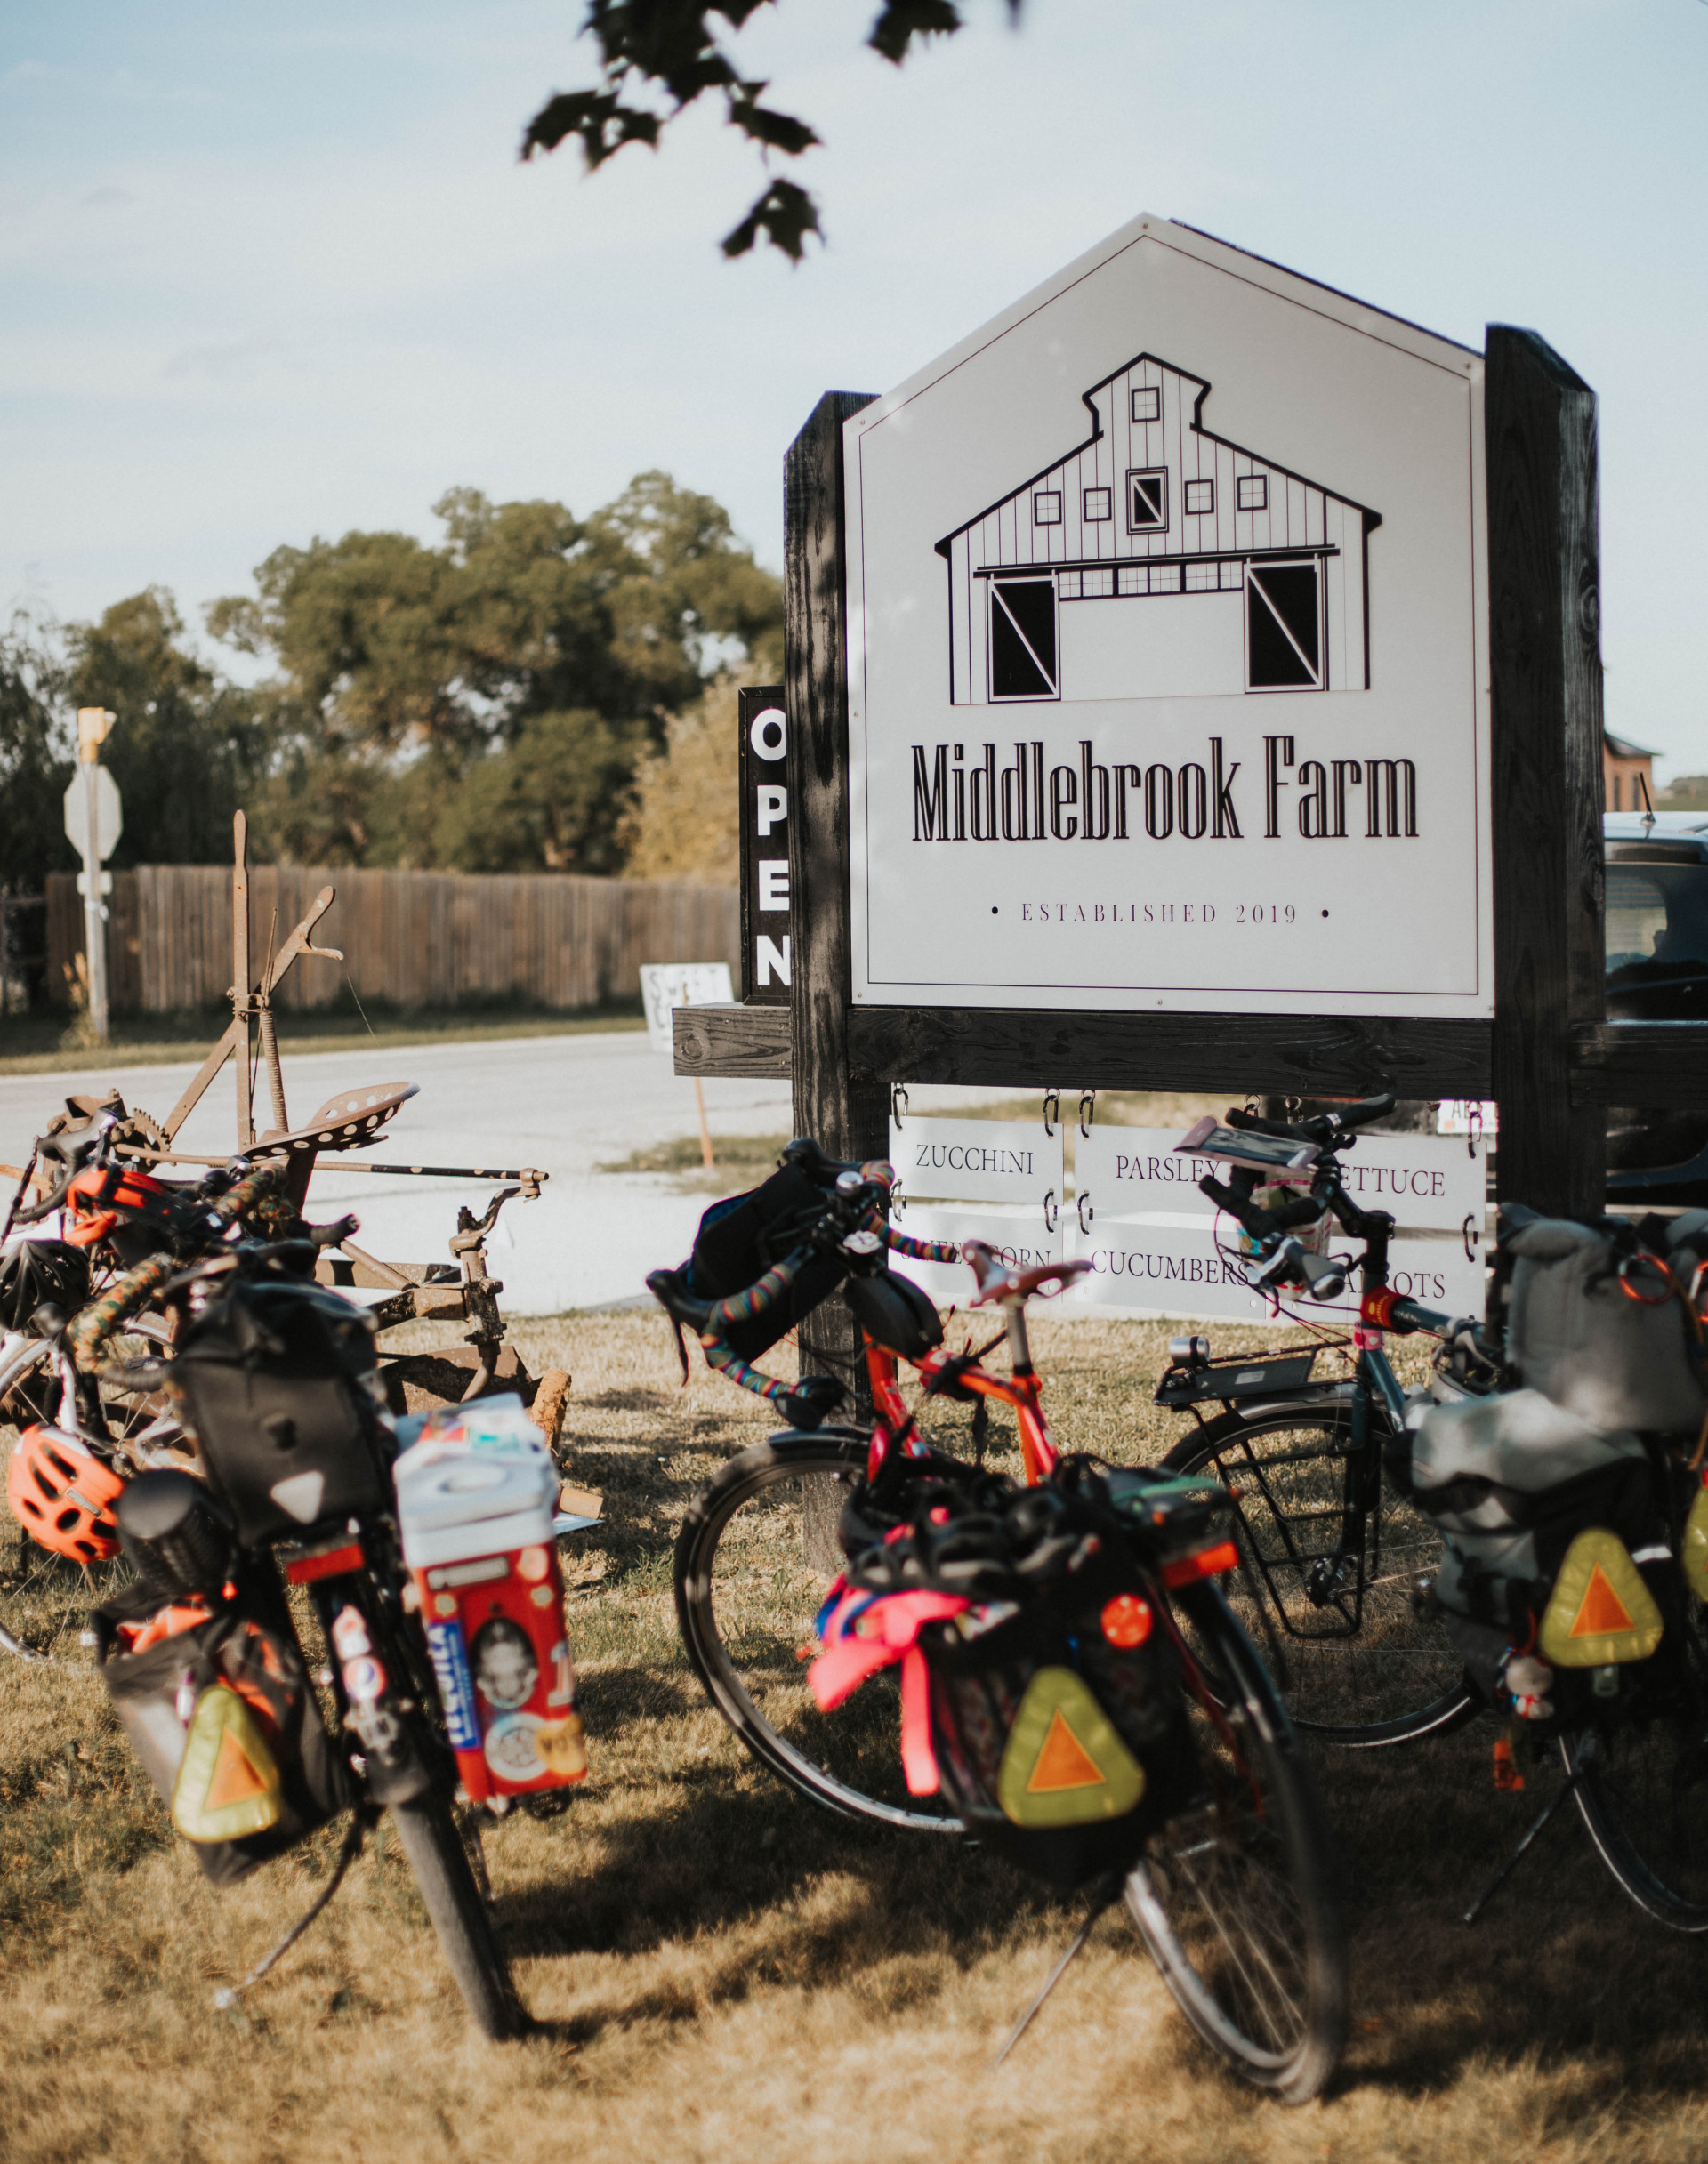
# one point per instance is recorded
(877, 1638)
(918, 1760)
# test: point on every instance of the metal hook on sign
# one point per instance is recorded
(1471, 1233)
(1082, 1205)
(897, 1102)
(1052, 1111)
(1051, 1212)
(1087, 1110)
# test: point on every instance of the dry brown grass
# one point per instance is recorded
(724, 1973)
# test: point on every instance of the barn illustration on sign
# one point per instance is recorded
(1157, 560)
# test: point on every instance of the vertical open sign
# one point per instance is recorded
(766, 945)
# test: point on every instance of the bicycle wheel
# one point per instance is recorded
(746, 1594)
(1235, 1899)
(431, 1840)
(1357, 1663)
(1642, 1791)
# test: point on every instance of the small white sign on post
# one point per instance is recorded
(109, 815)
(665, 986)
(668, 985)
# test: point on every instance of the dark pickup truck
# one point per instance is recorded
(1657, 971)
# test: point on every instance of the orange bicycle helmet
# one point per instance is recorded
(62, 1495)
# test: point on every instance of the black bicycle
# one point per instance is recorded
(1335, 1565)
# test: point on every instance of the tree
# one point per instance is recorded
(481, 705)
(667, 49)
(187, 747)
(38, 751)
(685, 820)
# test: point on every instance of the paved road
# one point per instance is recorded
(565, 1103)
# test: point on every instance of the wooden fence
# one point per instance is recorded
(414, 939)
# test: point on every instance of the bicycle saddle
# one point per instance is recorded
(1000, 1286)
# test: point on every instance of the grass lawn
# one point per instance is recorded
(723, 1973)
(43, 1043)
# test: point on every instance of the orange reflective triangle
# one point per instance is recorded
(1064, 1762)
(235, 1780)
(1600, 1609)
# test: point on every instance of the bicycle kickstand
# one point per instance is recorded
(1538, 1825)
(1104, 1893)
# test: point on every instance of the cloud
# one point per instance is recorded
(106, 198)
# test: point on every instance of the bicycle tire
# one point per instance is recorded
(429, 1836)
(1394, 1676)
(1234, 1901)
(1641, 1791)
(737, 1542)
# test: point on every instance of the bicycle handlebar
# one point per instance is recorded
(1327, 1129)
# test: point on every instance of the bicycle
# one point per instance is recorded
(1232, 1897)
(389, 1749)
(1335, 1563)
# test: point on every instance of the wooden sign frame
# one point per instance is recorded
(1550, 1057)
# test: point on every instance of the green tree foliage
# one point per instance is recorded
(186, 748)
(685, 822)
(36, 753)
(668, 51)
(480, 706)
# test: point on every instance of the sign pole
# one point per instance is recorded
(94, 725)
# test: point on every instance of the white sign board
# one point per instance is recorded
(977, 1161)
(110, 818)
(1168, 653)
(1025, 1239)
(1150, 1232)
(665, 985)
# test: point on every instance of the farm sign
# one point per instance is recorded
(1168, 653)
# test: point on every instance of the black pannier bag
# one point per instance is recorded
(1554, 1538)
(205, 1663)
(1056, 1710)
(743, 1237)
(1597, 1319)
(279, 1385)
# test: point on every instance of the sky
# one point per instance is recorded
(270, 273)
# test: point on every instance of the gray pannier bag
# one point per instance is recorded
(1516, 1483)
(1595, 1323)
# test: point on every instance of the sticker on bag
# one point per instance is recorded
(227, 1782)
(1600, 1612)
(1064, 1764)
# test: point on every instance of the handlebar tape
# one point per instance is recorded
(923, 1251)
(101, 1317)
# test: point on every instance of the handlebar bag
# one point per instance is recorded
(1553, 1537)
(1575, 1333)
(743, 1237)
(279, 1385)
(289, 1768)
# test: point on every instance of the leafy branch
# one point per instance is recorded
(671, 48)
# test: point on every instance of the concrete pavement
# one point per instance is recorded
(564, 1104)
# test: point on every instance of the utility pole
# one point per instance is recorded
(93, 823)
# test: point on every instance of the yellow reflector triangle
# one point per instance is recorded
(1064, 1763)
(1696, 1546)
(1599, 1612)
(227, 1782)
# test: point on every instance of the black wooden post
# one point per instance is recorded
(1545, 663)
(848, 1121)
